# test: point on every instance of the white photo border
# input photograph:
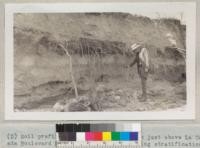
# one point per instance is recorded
(189, 8)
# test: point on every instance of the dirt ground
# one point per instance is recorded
(110, 95)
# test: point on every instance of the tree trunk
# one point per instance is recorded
(71, 70)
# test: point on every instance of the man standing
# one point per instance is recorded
(142, 60)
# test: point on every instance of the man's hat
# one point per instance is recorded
(135, 46)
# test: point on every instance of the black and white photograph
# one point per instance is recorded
(112, 60)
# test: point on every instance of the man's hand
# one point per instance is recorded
(127, 66)
(146, 69)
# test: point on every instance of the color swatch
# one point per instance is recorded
(106, 136)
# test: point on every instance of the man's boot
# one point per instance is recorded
(143, 98)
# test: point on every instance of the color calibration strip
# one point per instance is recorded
(105, 133)
(98, 136)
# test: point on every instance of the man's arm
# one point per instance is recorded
(133, 63)
(146, 56)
